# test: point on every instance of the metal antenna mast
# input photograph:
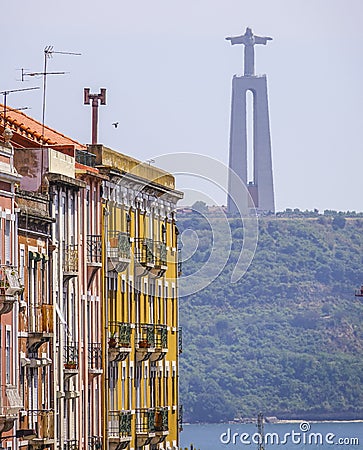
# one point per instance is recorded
(48, 53)
(6, 93)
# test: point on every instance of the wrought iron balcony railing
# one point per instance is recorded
(145, 420)
(149, 252)
(152, 336)
(71, 444)
(179, 263)
(161, 419)
(119, 424)
(94, 249)
(161, 336)
(94, 442)
(119, 334)
(145, 336)
(119, 245)
(180, 417)
(70, 258)
(42, 421)
(94, 356)
(70, 357)
(144, 251)
(160, 254)
(180, 340)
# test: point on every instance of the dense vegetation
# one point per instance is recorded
(287, 339)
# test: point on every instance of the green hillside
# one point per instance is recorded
(287, 339)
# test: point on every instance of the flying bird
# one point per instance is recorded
(115, 124)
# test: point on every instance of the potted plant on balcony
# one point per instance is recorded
(70, 364)
(112, 341)
(144, 343)
(158, 422)
(113, 241)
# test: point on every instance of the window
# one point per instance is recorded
(123, 392)
(7, 242)
(163, 232)
(21, 264)
(8, 356)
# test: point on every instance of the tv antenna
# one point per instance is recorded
(48, 53)
(6, 93)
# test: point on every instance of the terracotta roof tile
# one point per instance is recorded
(21, 123)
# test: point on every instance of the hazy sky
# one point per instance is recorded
(168, 69)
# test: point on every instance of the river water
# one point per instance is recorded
(286, 436)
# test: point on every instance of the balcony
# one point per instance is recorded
(70, 360)
(180, 417)
(161, 263)
(11, 404)
(160, 254)
(119, 341)
(144, 256)
(118, 251)
(161, 424)
(42, 421)
(95, 359)
(151, 342)
(179, 263)
(10, 287)
(145, 426)
(94, 256)
(161, 342)
(151, 257)
(180, 340)
(145, 342)
(162, 419)
(71, 444)
(119, 429)
(94, 442)
(70, 261)
(40, 326)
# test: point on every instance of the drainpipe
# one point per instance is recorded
(105, 321)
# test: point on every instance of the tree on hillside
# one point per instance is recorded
(200, 206)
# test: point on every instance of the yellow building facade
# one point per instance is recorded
(142, 339)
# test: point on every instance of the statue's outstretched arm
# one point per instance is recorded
(236, 39)
(262, 40)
